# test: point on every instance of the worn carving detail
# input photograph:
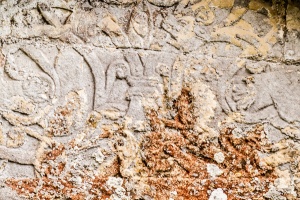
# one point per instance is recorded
(149, 99)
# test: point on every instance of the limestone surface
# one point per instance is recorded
(150, 99)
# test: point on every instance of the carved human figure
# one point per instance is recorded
(137, 32)
(260, 91)
(36, 113)
(140, 26)
(30, 88)
(56, 22)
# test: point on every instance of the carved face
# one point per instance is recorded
(140, 23)
(29, 89)
(121, 70)
(37, 88)
(273, 90)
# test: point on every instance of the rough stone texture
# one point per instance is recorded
(150, 99)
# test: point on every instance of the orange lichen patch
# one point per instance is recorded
(184, 188)
(160, 147)
(245, 175)
(183, 106)
(58, 183)
(48, 187)
(161, 144)
(242, 153)
(21, 185)
(61, 167)
(199, 189)
(113, 169)
(48, 190)
(173, 152)
(59, 124)
(54, 153)
(79, 196)
(176, 163)
(60, 180)
(63, 118)
(51, 189)
(99, 186)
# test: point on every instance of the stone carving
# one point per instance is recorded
(54, 21)
(149, 99)
(261, 91)
(137, 32)
(122, 2)
(128, 78)
(164, 3)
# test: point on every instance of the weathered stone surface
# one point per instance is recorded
(150, 99)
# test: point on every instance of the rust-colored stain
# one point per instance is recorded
(175, 158)
(53, 185)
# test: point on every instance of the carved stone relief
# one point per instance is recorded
(149, 99)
